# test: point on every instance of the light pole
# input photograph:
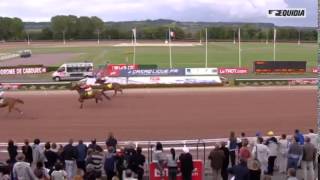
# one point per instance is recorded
(28, 38)
(127, 68)
(64, 37)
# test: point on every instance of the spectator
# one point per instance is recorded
(299, 136)
(111, 141)
(120, 163)
(224, 170)
(95, 159)
(82, 154)
(294, 154)
(283, 153)
(273, 146)
(309, 155)
(90, 173)
(22, 169)
(109, 163)
(160, 158)
(138, 163)
(172, 165)
(255, 171)
(37, 153)
(232, 147)
(216, 157)
(261, 153)
(51, 157)
(292, 174)
(242, 137)
(58, 172)
(40, 172)
(95, 146)
(186, 164)
(13, 152)
(313, 137)
(240, 171)
(70, 156)
(27, 151)
(244, 152)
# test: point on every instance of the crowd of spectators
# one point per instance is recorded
(239, 158)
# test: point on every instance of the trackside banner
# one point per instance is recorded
(233, 70)
(153, 72)
(22, 70)
(197, 173)
(201, 71)
(167, 80)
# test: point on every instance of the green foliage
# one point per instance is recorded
(11, 28)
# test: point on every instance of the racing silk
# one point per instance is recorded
(87, 89)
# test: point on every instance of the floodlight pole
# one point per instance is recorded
(98, 36)
(28, 38)
(63, 36)
(234, 37)
(274, 43)
(299, 37)
(239, 39)
(206, 47)
(267, 37)
(170, 48)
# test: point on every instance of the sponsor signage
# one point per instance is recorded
(201, 71)
(197, 173)
(287, 13)
(22, 70)
(153, 72)
(233, 70)
(115, 69)
(167, 80)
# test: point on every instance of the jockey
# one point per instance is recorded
(87, 88)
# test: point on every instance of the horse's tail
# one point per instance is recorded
(20, 101)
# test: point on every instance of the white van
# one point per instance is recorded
(73, 71)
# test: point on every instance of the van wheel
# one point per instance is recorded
(56, 78)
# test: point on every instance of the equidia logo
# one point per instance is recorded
(287, 13)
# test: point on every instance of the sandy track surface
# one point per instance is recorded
(158, 114)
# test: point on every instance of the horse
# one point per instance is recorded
(94, 94)
(110, 86)
(11, 103)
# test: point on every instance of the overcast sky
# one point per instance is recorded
(180, 10)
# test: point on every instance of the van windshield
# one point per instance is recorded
(62, 69)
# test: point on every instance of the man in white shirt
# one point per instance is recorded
(22, 170)
(313, 137)
(261, 153)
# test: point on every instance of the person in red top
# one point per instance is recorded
(244, 152)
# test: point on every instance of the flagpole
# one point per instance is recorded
(206, 47)
(274, 43)
(239, 47)
(299, 38)
(170, 48)
(134, 45)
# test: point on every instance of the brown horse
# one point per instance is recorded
(11, 103)
(95, 94)
(110, 86)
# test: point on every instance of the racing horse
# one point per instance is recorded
(110, 86)
(11, 104)
(94, 94)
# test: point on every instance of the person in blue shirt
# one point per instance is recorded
(299, 136)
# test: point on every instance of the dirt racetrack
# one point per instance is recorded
(159, 114)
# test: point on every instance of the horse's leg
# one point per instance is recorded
(18, 110)
(106, 96)
(81, 103)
